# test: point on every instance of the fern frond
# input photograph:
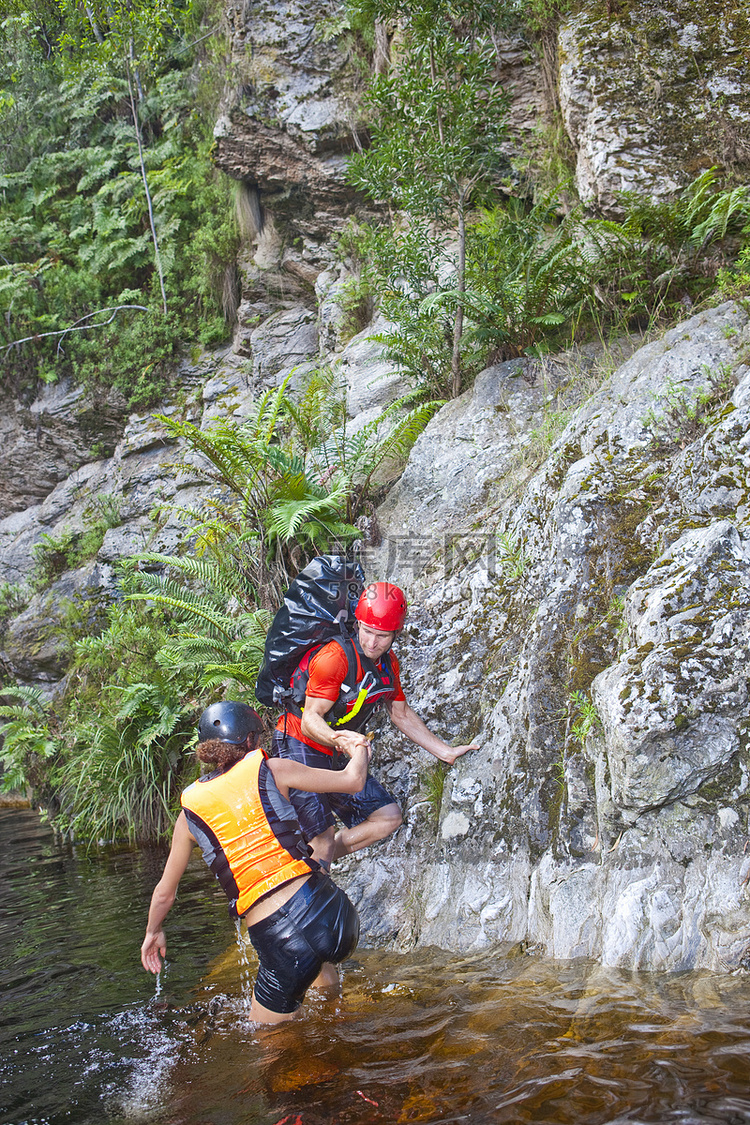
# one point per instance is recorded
(191, 608)
(208, 572)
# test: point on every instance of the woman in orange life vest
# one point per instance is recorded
(297, 919)
(313, 735)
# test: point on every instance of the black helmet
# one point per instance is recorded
(231, 722)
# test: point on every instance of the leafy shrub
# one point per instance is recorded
(53, 555)
(662, 257)
(14, 597)
(680, 414)
(125, 777)
(27, 741)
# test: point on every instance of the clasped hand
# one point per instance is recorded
(350, 742)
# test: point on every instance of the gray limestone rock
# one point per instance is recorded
(46, 440)
(652, 93)
(372, 380)
(36, 648)
(623, 603)
(289, 128)
(282, 342)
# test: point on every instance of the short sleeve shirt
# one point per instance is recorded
(328, 669)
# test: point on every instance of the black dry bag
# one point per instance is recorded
(320, 598)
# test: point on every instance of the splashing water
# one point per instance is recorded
(247, 970)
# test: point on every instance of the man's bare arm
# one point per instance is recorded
(410, 724)
(316, 728)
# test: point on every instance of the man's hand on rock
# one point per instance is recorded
(453, 752)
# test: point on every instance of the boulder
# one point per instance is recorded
(594, 644)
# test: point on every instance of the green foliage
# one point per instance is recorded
(541, 439)
(582, 715)
(664, 256)
(540, 15)
(460, 19)
(27, 741)
(432, 788)
(428, 153)
(285, 483)
(734, 281)
(511, 556)
(432, 156)
(525, 278)
(106, 140)
(404, 265)
(216, 635)
(292, 477)
(355, 301)
(680, 414)
(126, 778)
(53, 555)
(268, 504)
(124, 725)
(14, 597)
(535, 280)
(357, 459)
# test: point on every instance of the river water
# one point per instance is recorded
(86, 1036)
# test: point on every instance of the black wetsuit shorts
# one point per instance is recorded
(317, 924)
(318, 811)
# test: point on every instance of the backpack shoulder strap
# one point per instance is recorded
(351, 650)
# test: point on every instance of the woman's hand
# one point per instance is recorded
(153, 951)
(351, 742)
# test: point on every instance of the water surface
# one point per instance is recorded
(429, 1037)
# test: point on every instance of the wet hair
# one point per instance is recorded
(219, 754)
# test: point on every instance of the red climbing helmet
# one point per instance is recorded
(382, 606)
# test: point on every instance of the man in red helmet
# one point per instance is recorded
(344, 683)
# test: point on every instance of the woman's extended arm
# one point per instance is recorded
(289, 774)
(155, 943)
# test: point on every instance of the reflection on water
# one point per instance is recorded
(424, 1038)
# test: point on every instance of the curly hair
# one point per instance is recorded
(219, 754)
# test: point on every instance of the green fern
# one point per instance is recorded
(27, 740)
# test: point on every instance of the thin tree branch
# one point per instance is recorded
(114, 309)
(94, 25)
(152, 223)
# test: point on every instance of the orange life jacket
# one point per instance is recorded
(248, 832)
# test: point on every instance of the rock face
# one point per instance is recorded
(45, 440)
(580, 612)
(293, 120)
(652, 94)
(594, 642)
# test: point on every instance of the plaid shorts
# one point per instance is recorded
(318, 811)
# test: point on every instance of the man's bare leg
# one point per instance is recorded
(330, 845)
(378, 825)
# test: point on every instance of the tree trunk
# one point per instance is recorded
(381, 58)
(94, 25)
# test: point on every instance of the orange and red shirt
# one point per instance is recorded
(328, 671)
